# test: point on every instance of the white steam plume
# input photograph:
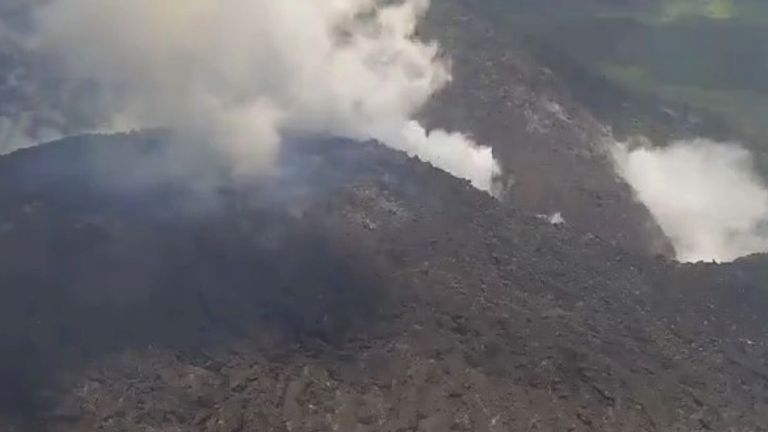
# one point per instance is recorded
(242, 72)
(706, 196)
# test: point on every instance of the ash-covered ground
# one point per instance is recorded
(356, 289)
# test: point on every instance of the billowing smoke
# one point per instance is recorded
(242, 73)
(706, 196)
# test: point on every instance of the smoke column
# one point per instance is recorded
(244, 72)
(706, 196)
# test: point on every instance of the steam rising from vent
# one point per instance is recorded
(244, 72)
(706, 196)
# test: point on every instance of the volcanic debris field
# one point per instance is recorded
(145, 286)
(372, 293)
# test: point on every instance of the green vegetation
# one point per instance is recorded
(746, 111)
(707, 55)
(649, 11)
(713, 9)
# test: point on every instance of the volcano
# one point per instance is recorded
(356, 289)
(177, 278)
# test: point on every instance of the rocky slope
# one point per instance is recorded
(554, 151)
(548, 141)
(359, 290)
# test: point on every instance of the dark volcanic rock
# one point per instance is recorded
(553, 151)
(358, 290)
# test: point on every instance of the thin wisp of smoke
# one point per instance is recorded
(705, 195)
(242, 73)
